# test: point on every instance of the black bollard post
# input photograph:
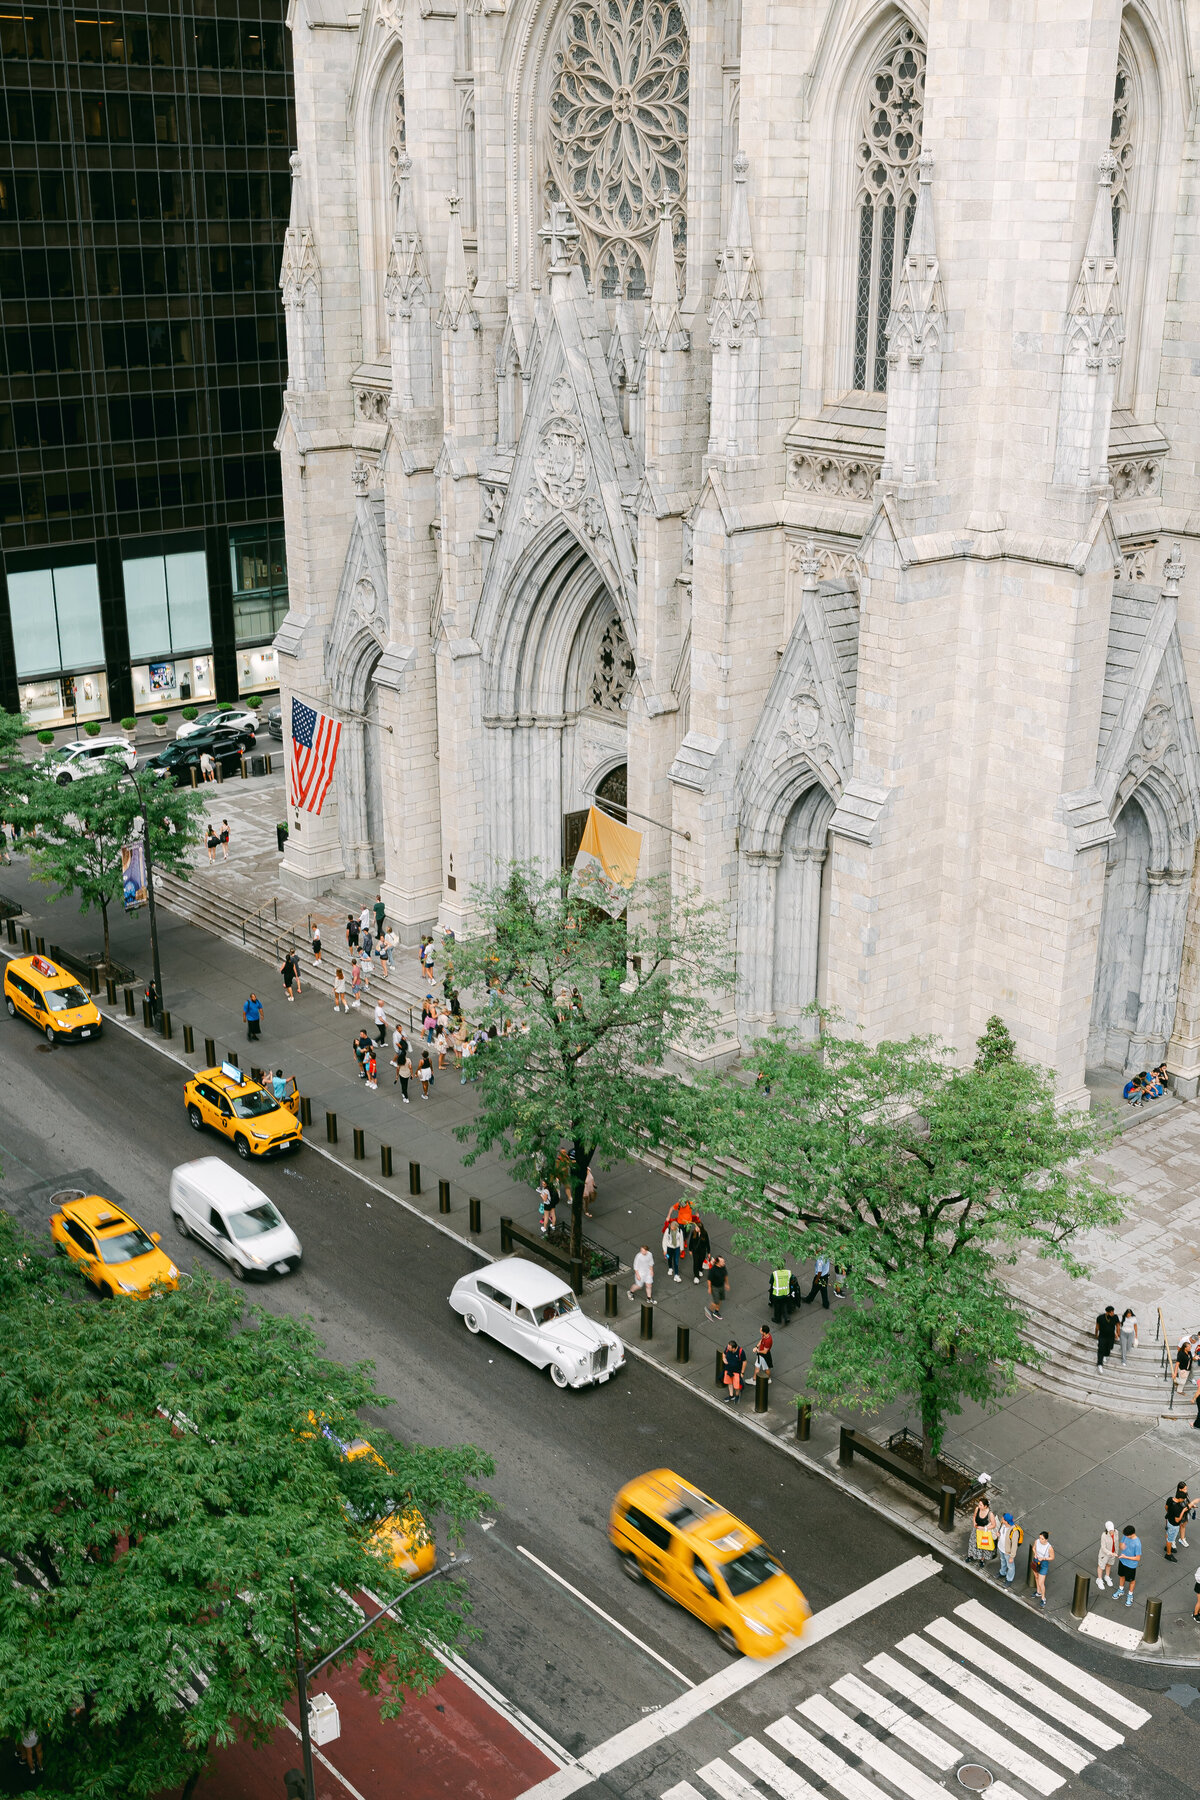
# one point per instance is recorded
(1029, 1580)
(210, 1051)
(946, 1505)
(762, 1388)
(443, 1196)
(164, 1023)
(147, 1015)
(804, 1421)
(41, 946)
(255, 1074)
(475, 1213)
(683, 1344)
(189, 1040)
(26, 941)
(845, 1448)
(232, 1060)
(610, 1299)
(385, 1159)
(1081, 1596)
(647, 1326)
(720, 1369)
(192, 773)
(306, 1112)
(110, 987)
(1153, 1621)
(505, 1236)
(331, 1127)
(10, 926)
(414, 1178)
(360, 1145)
(129, 1003)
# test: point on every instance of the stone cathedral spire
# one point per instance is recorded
(462, 390)
(733, 321)
(406, 296)
(1093, 335)
(915, 332)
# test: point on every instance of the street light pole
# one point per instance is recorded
(158, 993)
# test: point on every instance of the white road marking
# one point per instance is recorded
(683, 1790)
(728, 1783)
(669, 1719)
(823, 1762)
(965, 1725)
(900, 1724)
(985, 1660)
(326, 1764)
(528, 1728)
(607, 1617)
(1018, 1718)
(773, 1770)
(897, 1769)
(1076, 1681)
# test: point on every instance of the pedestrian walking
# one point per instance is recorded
(380, 911)
(643, 1274)
(364, 918)
(427, 955)
(380, 1023)
(211, 841)
(1043, 1556)
(366, 942)
(1196, 1590)
(403, 1070)
(1129, 1556)
(982, 1542)
(339, 991)
(1129, 1334)
(1008, 1542)
(441, 1044)
(252, 1012)
(356, 983)
(698, 1248)
(383, 950)
(425, 1074)
(820, 1281)
(1181, 1367)
(673, 1248)
(547, 1217)
(779, 1287)
(316, 944)
(735, 1368)
(351, 932)
(763, 1360)
(1107, 1325)
(718, 1281)
(368, 969)
(589, 1194)
(31, 1750)
(224, 834)
(361, 1046)
(1175, 1511)
(1110, 1544)
(289, 968)
(370, 1066)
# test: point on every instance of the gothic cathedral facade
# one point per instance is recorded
(783, 422)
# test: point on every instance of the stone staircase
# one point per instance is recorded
(1140, 1389)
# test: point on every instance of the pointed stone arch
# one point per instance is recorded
(354, 644)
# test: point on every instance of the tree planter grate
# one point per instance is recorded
(597, 1262)
(966, 1483)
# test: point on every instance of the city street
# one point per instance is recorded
(608, 1674)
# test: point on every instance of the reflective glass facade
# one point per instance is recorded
(144, 191)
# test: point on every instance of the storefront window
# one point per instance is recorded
(171, 681)
(166, 604)
(260, 591)
(65, 699)
(258, 670)
(56, 619)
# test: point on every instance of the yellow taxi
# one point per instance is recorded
(117, 1255)
(252, 1119)
(667, 1532)
(50, 998)
(402, 1540)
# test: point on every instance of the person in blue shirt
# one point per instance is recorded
(1128, 1558)
(279, 1085)
(252, 1012)
(820, 1283)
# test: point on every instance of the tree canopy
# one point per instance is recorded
(598, 1002)
(163, 1480)
(921, 1181)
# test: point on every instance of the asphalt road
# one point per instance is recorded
(375, 1279)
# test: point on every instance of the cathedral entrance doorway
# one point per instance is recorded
(1141, 940)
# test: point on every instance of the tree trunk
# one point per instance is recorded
(929, 1461)
(193, 1780)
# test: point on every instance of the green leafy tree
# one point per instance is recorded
(14, 767)
(75, 832)
(996, 1045)
(165, 1476)
(920, 1181)
(599, 1003)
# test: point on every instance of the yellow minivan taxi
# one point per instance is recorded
(230, 1102)
(51, 998)
(668, 1532)
(402, 1540)
(117, 1256)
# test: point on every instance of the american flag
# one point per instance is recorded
(314, 752)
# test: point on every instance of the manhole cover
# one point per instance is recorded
(975, 1778)
(65, 1194)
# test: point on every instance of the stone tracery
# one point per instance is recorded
(886, 194)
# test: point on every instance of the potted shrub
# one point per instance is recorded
(92, 728)
(191, 712)
(224, 705)
(254, 701)
(129, 727)
(159, 722)
(45, 737)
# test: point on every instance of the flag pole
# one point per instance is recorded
(600, 806)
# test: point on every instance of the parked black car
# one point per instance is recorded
(180, 758)
(275, 722)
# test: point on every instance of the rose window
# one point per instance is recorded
(615, 669)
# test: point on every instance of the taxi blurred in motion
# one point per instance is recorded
(402, 1539)
(116, 1254)
(255, 1121)
(666, 1531)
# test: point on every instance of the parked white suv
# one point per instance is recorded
(86, 757)
(240, 719)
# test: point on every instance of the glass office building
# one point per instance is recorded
(144, 192)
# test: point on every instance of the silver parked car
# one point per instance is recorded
(535, 1313)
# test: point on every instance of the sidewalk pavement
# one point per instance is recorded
(1059, 1465)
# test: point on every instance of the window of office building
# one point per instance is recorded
(170, 628)
(260, 590)
(58, 643)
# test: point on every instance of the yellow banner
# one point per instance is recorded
(607, 864)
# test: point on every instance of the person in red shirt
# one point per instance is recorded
(762, 1352)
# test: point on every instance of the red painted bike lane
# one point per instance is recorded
(445, 1744)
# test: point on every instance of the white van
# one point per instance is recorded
(221, 1208)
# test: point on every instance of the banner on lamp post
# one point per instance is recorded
(133, 876)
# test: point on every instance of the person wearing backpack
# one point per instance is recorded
(1008, 1541)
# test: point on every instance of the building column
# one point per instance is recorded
(757, 876)
(1165, 925)
(1183, 1052)
(798, 937)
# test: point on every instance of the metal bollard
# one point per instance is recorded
(1153, 1621)
(110, 990)
(10, 926)
(93, 980)
(443, 1196)
(219, 772)
(189, 1040)
(720, 1378)
(610, 1299)
(26, 941)
(1029, 1580)
(475, 1212)
(306, 1112)
(385, 1159)
(946, 1505)
(647, 1326)
(192, 773)
(267, 763)
(506, 1241)
(1081, 1596)
(762, 1389)
(845, 1448)
(210, 1051)
(360, 1145)
(164, 1023)
(804, 1421)
(41, 946)
(255, 1074)
(414, 1178)
(683, 1344)
(147, 1017)
(243, 768)
(129, 1003)
(232, 1060)
(331, 1127)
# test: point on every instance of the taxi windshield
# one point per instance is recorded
(254, 1221)
(65, 999)
(123, 1246)
(750, 1570)
(253, 1106)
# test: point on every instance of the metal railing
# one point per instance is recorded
(257, 915)
(1166, 1360)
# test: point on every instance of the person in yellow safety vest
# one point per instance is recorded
(781, 1287)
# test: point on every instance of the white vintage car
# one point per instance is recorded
(535, 1313)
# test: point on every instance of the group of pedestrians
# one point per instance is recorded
(215, 840)
(366, 1050)
(1111, 1331)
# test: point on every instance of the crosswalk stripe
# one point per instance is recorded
(821, 1760)
(1008, 1712)
(965, 1725)
(982, 1657)
(900, 1724)
(1076, 1681)
(896, 1769)
(728, 1783)
(683, 1790)
(773, 1770)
